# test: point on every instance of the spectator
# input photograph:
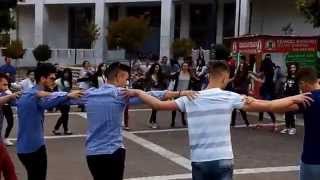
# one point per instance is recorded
(64, 84)
(29, 81)
(182, 82)
(8, 69)
(99, 79)
(155, 82)
(241, 86)
(291, 88)
(201, 72)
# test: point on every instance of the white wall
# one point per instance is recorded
(270, 16)
(57, 35)
(26, 25)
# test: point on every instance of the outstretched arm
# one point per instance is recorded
(279, 105)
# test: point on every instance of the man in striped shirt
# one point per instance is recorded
(209, 118)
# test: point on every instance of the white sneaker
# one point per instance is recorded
(284, 131)
(292, 131)
(154, 126)
(7, 142)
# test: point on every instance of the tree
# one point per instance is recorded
(128, 33)
(182, 48)
(311, 10)
(42, 53)
(91, 32)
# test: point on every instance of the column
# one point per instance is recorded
(242, 17)
(185, 21)
(40, 22)
(172, 23)
(165, 30)
(102, 20)
(122, 11)
(220, 20)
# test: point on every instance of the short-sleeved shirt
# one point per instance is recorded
(311, 145)
(209, 118)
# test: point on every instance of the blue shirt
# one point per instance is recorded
(31, 116)
(105, 109)
(8, 68)
(311, 144)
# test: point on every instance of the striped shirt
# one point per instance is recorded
(209, 123)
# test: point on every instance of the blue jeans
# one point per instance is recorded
(213, 170)
(309, 171)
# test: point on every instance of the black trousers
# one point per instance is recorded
(290, 120)
(107, 166)
(64, 118)
(272, 116)
(8, 114)
(234, 117)
(173, 118)
(35, 164)
(153, 117)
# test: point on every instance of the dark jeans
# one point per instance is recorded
(290, 120)
(212, 170)
(8, 114)
(35, 164)
(64, 118)
(173, 118)
(107, 166)
(153, 117)
(272, 116)
(309, 171)
(234, 117)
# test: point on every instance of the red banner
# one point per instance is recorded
(272, 44)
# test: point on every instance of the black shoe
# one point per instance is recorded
(56, 133)
(68, 133)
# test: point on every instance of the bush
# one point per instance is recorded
(14, 50)
(42, 53)
(182, 47)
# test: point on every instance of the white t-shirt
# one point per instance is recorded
(209, 118)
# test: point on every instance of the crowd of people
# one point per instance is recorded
(196, 90)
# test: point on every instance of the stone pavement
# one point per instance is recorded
(163, 154)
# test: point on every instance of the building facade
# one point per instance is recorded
(58, 22)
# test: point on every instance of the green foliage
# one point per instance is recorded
(91, 32)
(14, 50)
(128, 33)
(42, 53)
(182, 47)
(311, 10)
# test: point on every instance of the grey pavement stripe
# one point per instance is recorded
(236, 172)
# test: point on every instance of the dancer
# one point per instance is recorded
(105, 108)
(31, 148)
(6, 165)
(209, 119)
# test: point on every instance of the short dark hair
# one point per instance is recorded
(308, 75)
(44, 70)
(114, 69)
(4, 76)
(29, 72)
(217, 67)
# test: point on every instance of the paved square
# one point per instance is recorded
(164, 153)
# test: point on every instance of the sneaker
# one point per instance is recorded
(68, 133)
(7, 142)
(126, 128)
(154, 126)
(292, 131)
(56, 133)
(284, 131)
